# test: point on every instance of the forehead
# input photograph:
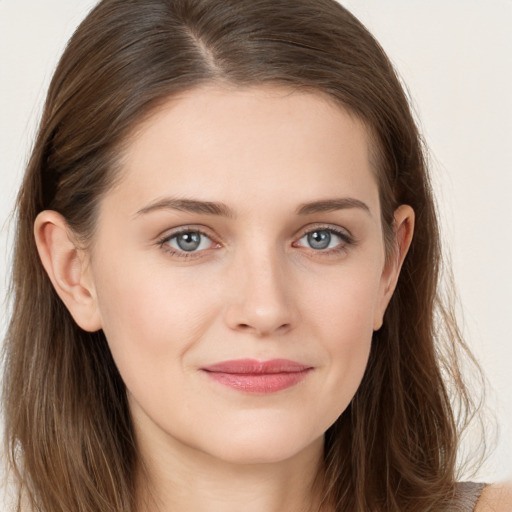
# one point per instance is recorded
(248, 143)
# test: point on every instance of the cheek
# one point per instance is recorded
(342, 316)
(151, 319)
(344, 303)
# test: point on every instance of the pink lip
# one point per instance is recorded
(254, 376)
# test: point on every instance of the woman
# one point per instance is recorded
(226, 274)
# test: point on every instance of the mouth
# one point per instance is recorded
(252, 376)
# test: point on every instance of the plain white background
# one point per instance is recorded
(455, 57)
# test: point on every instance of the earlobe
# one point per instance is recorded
(66, 266)
(403, 232)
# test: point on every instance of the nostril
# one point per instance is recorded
(248, 327)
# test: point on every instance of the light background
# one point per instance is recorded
(455, 57)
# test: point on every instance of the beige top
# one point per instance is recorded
(466, 496)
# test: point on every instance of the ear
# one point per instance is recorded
(403, 228)
(66, 266)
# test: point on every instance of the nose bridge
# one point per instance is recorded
(261, 302)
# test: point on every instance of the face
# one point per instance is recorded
(239, 270)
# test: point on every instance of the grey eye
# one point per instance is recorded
(320, 239)
(189, 241)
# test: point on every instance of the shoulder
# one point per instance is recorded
(496, 498)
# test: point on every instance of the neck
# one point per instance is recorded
(182, 478)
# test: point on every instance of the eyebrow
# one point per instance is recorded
(222, 210)
(189, 205)
(331, 205)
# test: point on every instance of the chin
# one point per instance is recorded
(263, 447)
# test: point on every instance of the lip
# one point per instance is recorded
(252, 376)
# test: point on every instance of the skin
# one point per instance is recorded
(255, 288)
(496, 498)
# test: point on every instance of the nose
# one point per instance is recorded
(261, 302)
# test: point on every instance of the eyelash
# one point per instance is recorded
(164, 241)
(346, 241)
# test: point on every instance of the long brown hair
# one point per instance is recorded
(68, 429)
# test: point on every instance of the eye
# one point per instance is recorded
(322, 239)
(188, 241)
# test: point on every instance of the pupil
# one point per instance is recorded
(189, 241)
(319, 239)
